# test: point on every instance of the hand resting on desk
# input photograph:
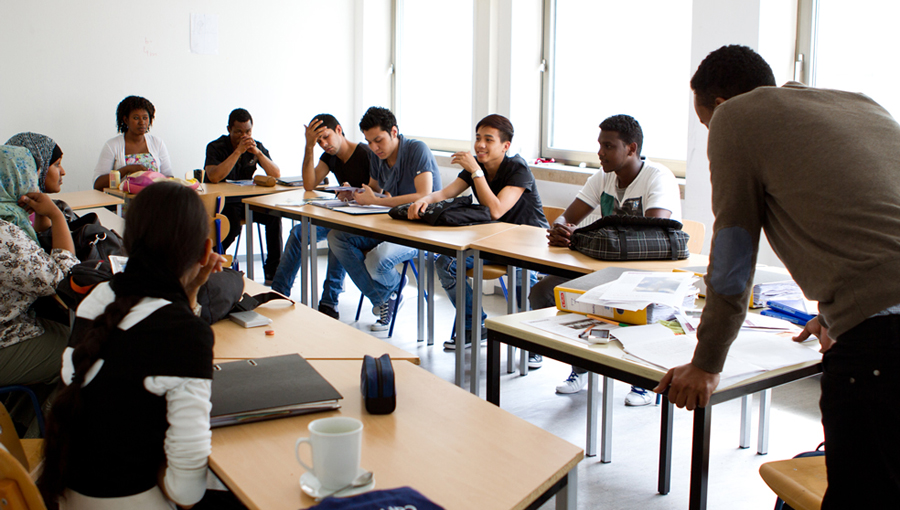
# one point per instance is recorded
(560, 234)
(817, 330)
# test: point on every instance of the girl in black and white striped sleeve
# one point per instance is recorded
(130, 427)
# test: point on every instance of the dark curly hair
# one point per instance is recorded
(328, 121)
(628, 128)
(130, 104)
(730, 71)
(377, 116)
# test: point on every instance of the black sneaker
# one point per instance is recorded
(329, 311)
(450, 345)
(535, 361)
(385, 311)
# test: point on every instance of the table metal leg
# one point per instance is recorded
(304, 260)
(700, 458)
(746, 413)
(523, 360)
(430, 298)
(665, 446)
(765, 404)
(420, 297)
(593, 389)
(476, 322)
(606, 420)
(248, 234)
(567, 497)
(313, 268)
(493, 373)
(510, 309)
(461, 318)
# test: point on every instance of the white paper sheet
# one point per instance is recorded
(570, 325)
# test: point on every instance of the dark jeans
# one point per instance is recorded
(860, 418)
(235, 213)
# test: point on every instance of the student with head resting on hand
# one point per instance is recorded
(30, 345)
(504, 184)
(134, 149)
(129, 427)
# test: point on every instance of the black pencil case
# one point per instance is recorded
(377, 384)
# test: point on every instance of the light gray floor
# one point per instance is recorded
(629, 481)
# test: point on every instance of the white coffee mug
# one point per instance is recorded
(336, 445)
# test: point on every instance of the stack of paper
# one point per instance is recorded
(660, 294)
(783, 290)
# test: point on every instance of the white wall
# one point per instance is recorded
(283, 61)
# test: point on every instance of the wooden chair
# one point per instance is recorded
(27, 451)
(800, 482)
(697, 231)
(17, 489)
(214, 205)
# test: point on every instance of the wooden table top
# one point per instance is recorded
(529, 244)
(226, 189)
(87, 199)
(452, 238)
(298, 329)
(610, 354)
(456, 449)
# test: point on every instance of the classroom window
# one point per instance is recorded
(853, 49)
(609, 57)
(433, 59)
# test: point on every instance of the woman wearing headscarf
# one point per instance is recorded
(134, 149)
(30, 346)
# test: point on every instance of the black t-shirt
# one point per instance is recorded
(218, 151)
(356, 170)
(514, 171)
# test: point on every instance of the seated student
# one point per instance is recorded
(130, 425)
(135, 149)
(406, 171)
(504, 184)
(234, 156)
(627, 184)
(30, 345)
(351, 163)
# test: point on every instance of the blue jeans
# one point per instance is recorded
(446, 271)
(287, 270)
(370, 263)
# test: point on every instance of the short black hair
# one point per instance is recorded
(377, 116)
(328, 121)
(500, 123)
(628, 128)
(130, 104)
(239, 115)
(730, 71)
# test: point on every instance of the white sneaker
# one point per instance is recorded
(639, 397)
(573, 384)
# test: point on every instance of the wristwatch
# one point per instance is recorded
(477, 173)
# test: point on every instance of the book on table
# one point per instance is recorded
(246, 391)
(293, 182)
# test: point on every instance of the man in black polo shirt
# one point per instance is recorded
(351, 163)
(234, 157)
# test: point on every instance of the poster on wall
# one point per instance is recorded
(205, 34)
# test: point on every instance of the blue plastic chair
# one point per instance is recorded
(34, 402)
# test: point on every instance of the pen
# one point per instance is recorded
(602, 319)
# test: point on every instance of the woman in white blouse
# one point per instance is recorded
(134, 149)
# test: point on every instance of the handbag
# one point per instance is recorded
(453, 212)
(223, 293)
(92, 240)
(621, 237)
(377, 384)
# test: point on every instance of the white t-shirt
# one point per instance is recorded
(654, 187)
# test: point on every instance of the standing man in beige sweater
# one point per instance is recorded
(819, 171)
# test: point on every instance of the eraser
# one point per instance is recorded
(270, 332)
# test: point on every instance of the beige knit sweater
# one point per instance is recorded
(819, 171)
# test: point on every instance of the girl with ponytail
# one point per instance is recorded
(130, 425)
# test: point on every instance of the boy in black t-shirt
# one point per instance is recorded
(351, 163)
(504, 184)
(234, 157)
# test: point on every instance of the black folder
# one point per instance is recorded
(267, 388)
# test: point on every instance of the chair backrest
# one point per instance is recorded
(10, 438)
(16, 486)
(697, 231)
(552, 213)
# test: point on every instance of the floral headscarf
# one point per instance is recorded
(42, 149)
(18, 176)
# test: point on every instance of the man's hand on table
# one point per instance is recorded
(689, 386)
